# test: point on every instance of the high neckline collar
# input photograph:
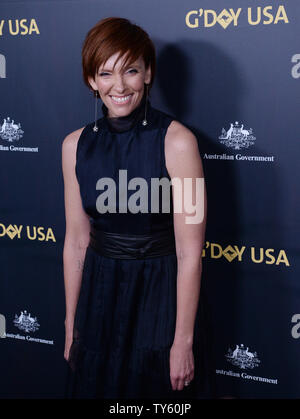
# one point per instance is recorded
(125, 123)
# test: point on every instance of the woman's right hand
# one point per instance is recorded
(68, 340)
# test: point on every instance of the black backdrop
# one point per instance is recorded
(229, 71)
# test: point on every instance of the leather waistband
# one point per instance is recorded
(139, 246)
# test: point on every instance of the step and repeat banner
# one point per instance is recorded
(230, 71)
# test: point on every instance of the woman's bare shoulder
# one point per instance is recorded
(179, 137)
(182, 154)
(71, 140)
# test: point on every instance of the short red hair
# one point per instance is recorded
(112, 35)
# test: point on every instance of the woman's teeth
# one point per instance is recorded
(120, 99)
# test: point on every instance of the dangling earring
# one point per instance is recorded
(145, 119)
(95, 129)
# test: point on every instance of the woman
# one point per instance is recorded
(132, 277)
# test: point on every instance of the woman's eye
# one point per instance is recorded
(132, 70)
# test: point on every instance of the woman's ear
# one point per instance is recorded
(148, 75)
(92, 83)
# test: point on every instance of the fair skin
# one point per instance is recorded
(182, 160)
(121, 84)
(76, 236)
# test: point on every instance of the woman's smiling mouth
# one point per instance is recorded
(121, 99)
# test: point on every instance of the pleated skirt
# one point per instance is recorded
(124, 328)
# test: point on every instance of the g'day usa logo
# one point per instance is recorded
(253, 16)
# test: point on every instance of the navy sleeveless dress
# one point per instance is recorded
(126, 313)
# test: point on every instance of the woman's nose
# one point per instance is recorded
(119, 84)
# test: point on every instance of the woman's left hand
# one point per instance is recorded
(181, 365)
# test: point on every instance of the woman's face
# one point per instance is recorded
(121, 90)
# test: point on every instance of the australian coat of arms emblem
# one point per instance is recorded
(10, 131)
(241, 357)
(237, 137)
(26, 322)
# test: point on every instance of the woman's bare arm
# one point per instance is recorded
(183, 161)
(77, 228)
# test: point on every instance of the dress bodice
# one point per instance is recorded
(121, 159)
